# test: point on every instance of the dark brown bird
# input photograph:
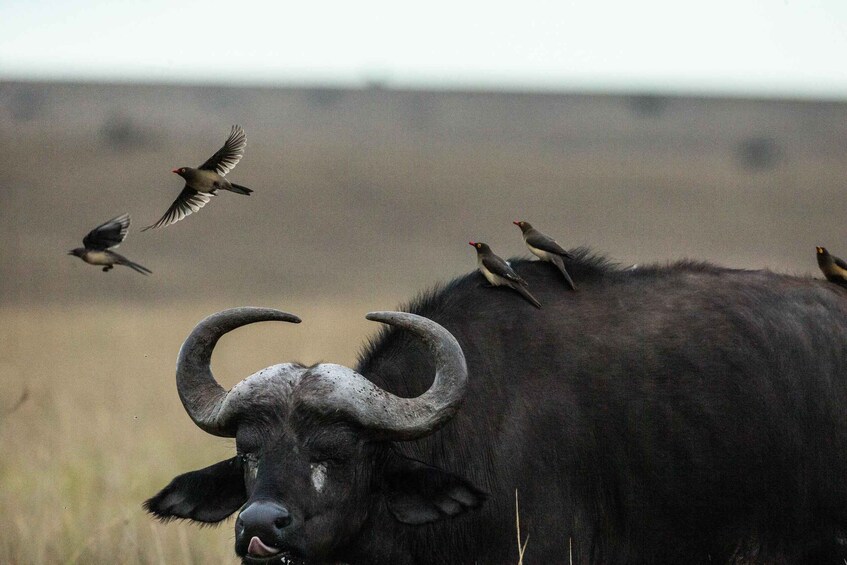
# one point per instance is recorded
(99, 244)
(203, 182)
(498, 272)
(834, 268)
(545, 248)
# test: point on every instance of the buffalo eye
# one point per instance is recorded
(334, 454)
(326, 458)
(334, 447)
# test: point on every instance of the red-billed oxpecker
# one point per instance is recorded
(100, 241)
(834, 268)
(545, 248)
(498, 272)
(203, 182)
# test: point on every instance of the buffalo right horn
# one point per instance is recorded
(201, 395)
(338, 389)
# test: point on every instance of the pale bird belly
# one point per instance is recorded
(97, 258)
(490, 277)
(207, 182)
(540, 253)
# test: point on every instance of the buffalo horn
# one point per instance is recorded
(392, 417)
(201, 395)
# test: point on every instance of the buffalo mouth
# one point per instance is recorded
(281, 558)
(260, 553)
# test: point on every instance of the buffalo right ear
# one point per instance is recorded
(208, 495)
(418, 493)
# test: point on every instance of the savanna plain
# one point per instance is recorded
(363, 198)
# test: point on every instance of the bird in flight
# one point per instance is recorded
(100, 242)
(203, 182)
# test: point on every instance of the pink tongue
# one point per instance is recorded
(257, 548)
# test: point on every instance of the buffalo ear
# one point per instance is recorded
(207, 495)
(418, 493)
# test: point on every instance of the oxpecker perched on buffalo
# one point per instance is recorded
(834, 268)
(545, 248)
(498, 272)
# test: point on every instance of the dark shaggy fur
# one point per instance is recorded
(668, 414)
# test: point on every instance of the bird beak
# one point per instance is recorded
(70, 252)
(175, 171)
(471, 243)
(517, 222)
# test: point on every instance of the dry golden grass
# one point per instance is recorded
(103, 428)
(521, 544)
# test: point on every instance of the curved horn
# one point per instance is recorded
(201, 395)
(393, 417)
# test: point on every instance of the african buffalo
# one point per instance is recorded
(672, 414)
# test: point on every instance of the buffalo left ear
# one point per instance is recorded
(418, 493)
(207, 495)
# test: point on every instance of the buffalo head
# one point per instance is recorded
(315, 469)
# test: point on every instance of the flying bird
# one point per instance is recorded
(203, 182)
(545, 248)
(834, 268)
(499, 273)
(100, 241)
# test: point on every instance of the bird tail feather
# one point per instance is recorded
(132, 265)
(138, 268)
(561, 265)
(238, 189)
(530, 298)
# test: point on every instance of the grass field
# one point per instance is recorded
(103, 428)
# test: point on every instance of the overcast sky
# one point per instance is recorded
(767, 47)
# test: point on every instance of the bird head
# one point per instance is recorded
(821, 250)
(523, 225)
(479, 246)
(180, 171)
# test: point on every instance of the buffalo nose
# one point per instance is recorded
(264, 519)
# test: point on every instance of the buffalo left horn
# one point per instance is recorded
(203, 398)
(338, 389)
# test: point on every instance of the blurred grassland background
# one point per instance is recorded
(362, 199)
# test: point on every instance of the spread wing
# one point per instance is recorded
(840, 262)
(188, 201)
(546, 243)
(108, 234)
(499, 267)
(229, 155)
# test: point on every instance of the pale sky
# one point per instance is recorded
(767, 47)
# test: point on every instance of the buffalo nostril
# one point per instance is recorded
(282, 521)
(264, 519)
